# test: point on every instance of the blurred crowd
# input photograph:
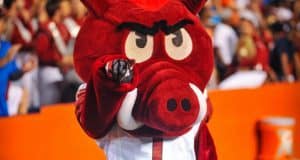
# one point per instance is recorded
(36, 47)
(255, 42)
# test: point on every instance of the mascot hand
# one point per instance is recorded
(120, 70)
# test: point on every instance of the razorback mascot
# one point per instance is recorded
(146, 64)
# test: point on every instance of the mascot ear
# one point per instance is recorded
(194, 5)
(97, 7)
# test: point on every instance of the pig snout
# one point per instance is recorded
(172, 106)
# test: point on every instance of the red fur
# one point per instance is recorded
(194, 5)
(204, 146)
(150, 4)
(157, 79)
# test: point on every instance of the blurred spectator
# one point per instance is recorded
(246, 52)
(283, 55)
(247, 74)
(6, 71)
(252, 51)
(19, 25)
(51, 47)
(263, 57)
(274, 52)
(20, 31)
(225, 41)
(49, 29)
(54, 47)
(10, 67)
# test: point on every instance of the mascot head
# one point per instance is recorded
(173, 57)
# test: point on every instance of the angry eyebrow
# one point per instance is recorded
(161, 25)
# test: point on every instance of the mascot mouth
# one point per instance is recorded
(128, 122)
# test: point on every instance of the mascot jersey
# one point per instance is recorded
(145, 64)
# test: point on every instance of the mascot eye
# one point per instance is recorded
(139, 46)
(179, 45)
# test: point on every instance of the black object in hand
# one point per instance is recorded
(120, 70)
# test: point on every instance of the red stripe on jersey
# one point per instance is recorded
(157, 149)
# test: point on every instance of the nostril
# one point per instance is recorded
(186, 104)
(171, 105)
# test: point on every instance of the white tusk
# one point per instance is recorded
(202, 102)
(124, 117)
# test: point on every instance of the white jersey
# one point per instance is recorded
(119, 145)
